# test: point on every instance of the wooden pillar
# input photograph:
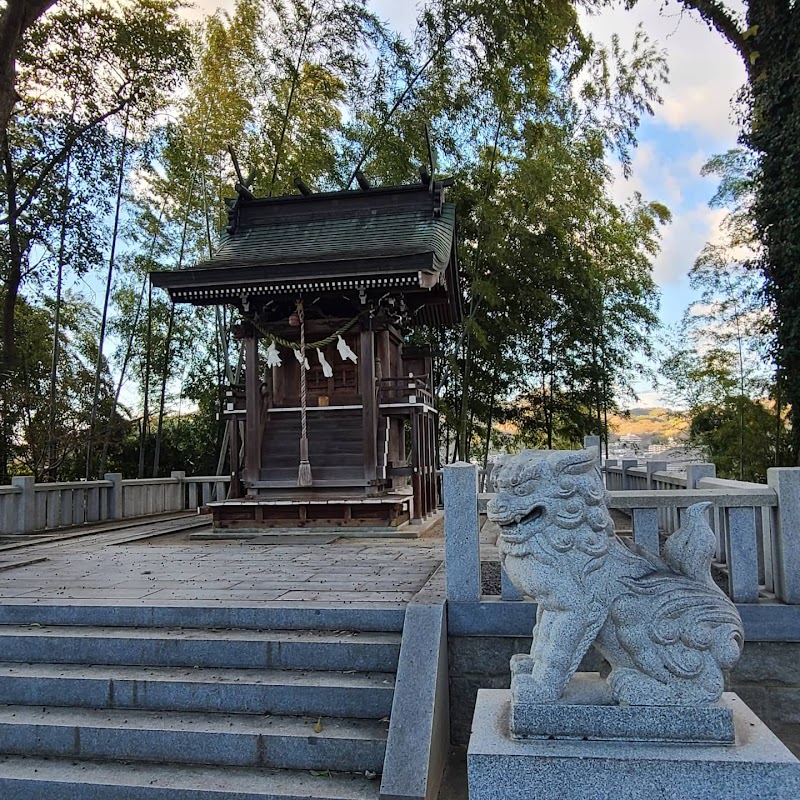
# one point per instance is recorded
(416, 463)
(429, 418)
(383, 353)
(369, 413)
(233, 440)
(426, 471)
(421, 501)
(252, 426)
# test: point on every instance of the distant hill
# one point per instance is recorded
(648, 422)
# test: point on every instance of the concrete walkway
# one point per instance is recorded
(171, 569)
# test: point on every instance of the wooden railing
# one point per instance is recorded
(26, 506)
(408, 389)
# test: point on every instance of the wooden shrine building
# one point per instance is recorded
(335, 280)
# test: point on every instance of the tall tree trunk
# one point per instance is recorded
(129, 348)
(597, 378)
(464, 412)
(159, 427)
(292, 90)
(145, 429)
(489, 420)
(8, 364)
(469, 433)
(778, 420)
(167, 346)
(776, 107)
(52, 442)
(550, 413)
(15, 18)
(106, 301)
(121, 381)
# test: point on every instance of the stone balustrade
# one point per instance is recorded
(26, 506)
(757, 526)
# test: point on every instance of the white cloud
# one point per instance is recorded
(705, 71)
(683, 241)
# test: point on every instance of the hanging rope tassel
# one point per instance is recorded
(304, 471)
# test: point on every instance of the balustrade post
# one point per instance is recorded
(694, 472)
(742, 555)
(645, 529)
(462, 547)
(114, 494)
(786, 483)
(654, 466)
(627, 480)
(179, 503)
(610, 478)
(591, 441)
(26, 503)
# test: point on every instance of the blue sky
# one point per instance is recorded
(693, 123)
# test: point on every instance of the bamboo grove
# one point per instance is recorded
(117, 158)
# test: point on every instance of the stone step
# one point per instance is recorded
(327, 694)
(241, 740)
(182, 647)
(65, 779)
(275, 616)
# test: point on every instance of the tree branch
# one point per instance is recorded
(15, 19)
(59, 157)
(719, 17)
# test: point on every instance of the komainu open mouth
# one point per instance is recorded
(516, 528)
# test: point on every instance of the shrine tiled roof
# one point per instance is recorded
(363, 235)
(400, 238)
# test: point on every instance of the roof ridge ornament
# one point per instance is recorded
(242, 188)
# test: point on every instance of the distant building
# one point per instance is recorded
(630, 440)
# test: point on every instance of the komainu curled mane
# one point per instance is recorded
(663, 625)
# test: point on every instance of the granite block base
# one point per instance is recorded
(588, 711)
(500, 767)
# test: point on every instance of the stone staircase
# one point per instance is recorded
(188, 703)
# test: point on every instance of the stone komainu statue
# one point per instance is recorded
(663, 625)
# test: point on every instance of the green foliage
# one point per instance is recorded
(82, 68)
(524, 111)
(774, 134)
(717, 428)
(720, 369)
(28, 407)
(767, 37)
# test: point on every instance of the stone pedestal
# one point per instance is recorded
(501, 767)
(587, 710)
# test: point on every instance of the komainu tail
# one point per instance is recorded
(690, 549)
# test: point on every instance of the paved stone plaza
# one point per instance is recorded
(172, 569)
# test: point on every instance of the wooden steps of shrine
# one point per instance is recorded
(335, 449)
